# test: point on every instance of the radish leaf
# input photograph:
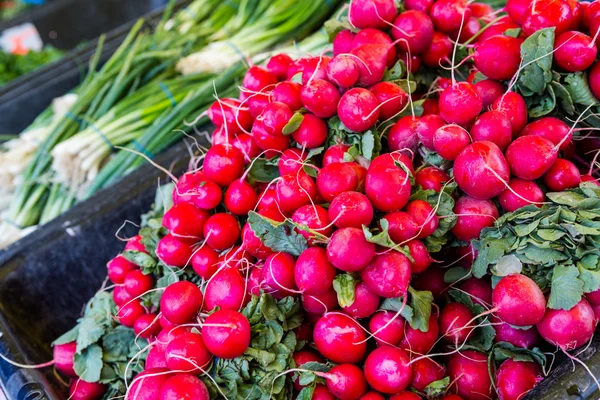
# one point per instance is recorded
(278, 236)
(345, 287)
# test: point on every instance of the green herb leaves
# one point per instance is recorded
(278, 236)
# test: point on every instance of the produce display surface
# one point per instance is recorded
(408, 210)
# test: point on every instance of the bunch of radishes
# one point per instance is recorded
(290, 153)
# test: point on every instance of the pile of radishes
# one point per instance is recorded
(330, 195)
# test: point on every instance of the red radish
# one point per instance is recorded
(174, 252)
(391, 97)
(255, 281)
(490, 91)
(346, 381)
(235, 257)
(450, 140)
(343, 71)
(258, 101)
(403, 135)
(372, 396)
(156, 358)
(472, 216)
(351, 209)
(372, 63)
(320, 98)
(135, 243)
(494, 127)
(522, 193)
(184, 387)
(449, 15)
(204, 261)
(388, 275)
(336, 178)
(221, 231)
(431, 178)
(240, 197)
(168, 334)
(371, 13)
(563, 174)
(516, 9)
(424, 215)
(402, 227)
(575, 51)
(591, 10)
(498, 57)
(498, 28)
(181, 302)
(460, 104)
(365, 302)
(147, 384)
(137, 283)
(231, 115)
(413, 63)
(387, 370)
(223, 164)
(545, 14)
(349, 250)
(288, 93)
(594, 80)
(313, 272)
(185, 221)
(416, 341)
(63, 356)
(414, 31)
(334, 153)
(120, 295)
(279, 64)
(591, 179)
(407, 395)
(375, 36)
(426, 128)
(515, 378)
(300, 358)
(343, 42)
(291, 161)
(481, 170)
(147, 326)
(130, 312)
(320, 304)
(531, 156)
(593, 297)
(312, 132)
(187, 352)
(518, 300)
(340, 338)
(314, 218)
(226, 333)
(456, 323)
(525, 338)
(420, 5)
(226, 289)
(552, 129)
(82, 390)
(479, 290)
(438, 51)
(470, 28)
(388, 187)
(468, 371)
(274, 118)
(278, 275)
(426, 371)
(322, 393)
(315, 68)
(258, 78)
(569, 329)
(420, 255)
(358, 109)
(247, 145)
(513, 106)
(391, 160)
(392, 334)
(294, 191)
(451, 397)
(118, 268)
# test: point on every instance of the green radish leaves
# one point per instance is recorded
(443, 203)
(278, 236)
(263, 170)
(345, 287)
(293, 124)
(88, 363)
(536, 56)
(437, 388)
(483, 336)
(503, 351)
(363, 144)
(567, 289)
(383, 239)
(416, 312)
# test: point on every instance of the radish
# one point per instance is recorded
(272, 145)
(545, 14)
(387, 370)
(456, 323)
(591, 10)
(416, 341)
(494, 127)
(424, 215)
(196, 189)
(593, 297)
(130, 312)
(322, 393)
(257, 78)
(273, 118)
(147, 384)
(247, 145)
(391, 97)
(402, 227)
(320, 304)
(480, 290)
(118, 268)
(392, 334)
(240, 197)
(147, 326)
(294, 191)
(336, 178)
(372, 62)
(388, 275)
(594, 80)
(490, 91)
(258, 101)
(420, 5)
(460, 104)
(184, 387)
(358, 109)
(279, 64)
(334, 154)
(431, 280)
(569, 329)
(431, 178)
(291, 161)
(516, 9)
(223, 164)
(349, 250)
(449, 15)
(313, 272)
(451, 397)
(187, 352)
(403, 135)
(525, 338)
(375, 36)
(371, 13)
(481, 171)
(345, 381)
(426, 371)
(515, 378)
(120, 296)
(468, 371)
(414, 31)
(531, 156)
(513, 106)
(185, 221)
(421, 258)
(181, 302)
(204, 262)
(63, 356)
(300, 358)
(372, 396)
(391, 160)
(591, 179)
(340, 338)
(577, 14)
(351, 210)
(288, 93)
(315, 68)
(498, 57)
(522, 193)
(278, 275)
(439, 50)
(518, 301)
(552, 129)
(174, 252)
(314, 218)
(231, 115)
(563, 174)
(413, 64)
(365, 302)
(575, 51)
(406, 396)
(387, 187)
(226, 333)
(311, 133)
(343, 71)
(470, 28)
(82, 390)
(226, 290)
(426, 128)
(320, 98)
(221, 231)
(343, 42)
(472, 216)
(156, 358)
(450, 140)
(135, 243)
